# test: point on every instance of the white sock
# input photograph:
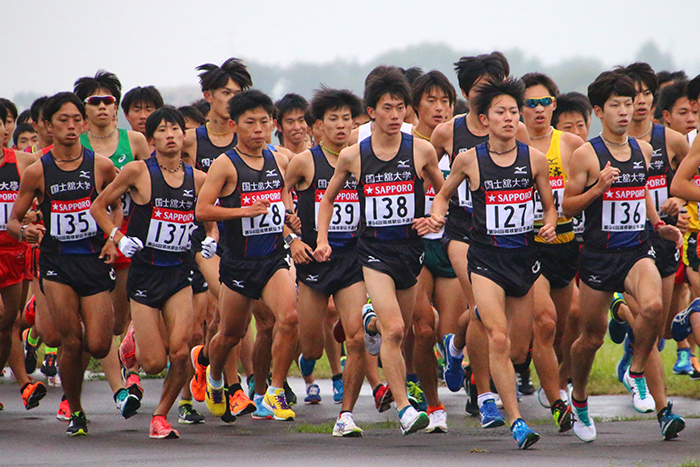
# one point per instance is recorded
(484, 397)
(454, 351)
(215, 384)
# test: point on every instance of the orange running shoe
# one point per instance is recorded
(161, 429)
(63, 410)
(198, 383)
(240, 404)
(32, 393)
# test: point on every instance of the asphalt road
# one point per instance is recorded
(36, 438)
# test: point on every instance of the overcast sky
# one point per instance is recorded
(48, 44)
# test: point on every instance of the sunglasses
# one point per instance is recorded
(97, 100)
(543, 101)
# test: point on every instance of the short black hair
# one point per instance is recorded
(610, 83)
(572, 102)
(666, 76)
(216, 77)
(386, 80)
(308, 116)
(146, 94)
(24, 116)
(670, 94)
(203, 106)
(168, 113)
(470, 69)
(412, 73)
(694, 88)
(461, 106)
(3, 113)
(86, 85)
(22, 128)
(249, 100)
(533, 79)
(190, 112)
(36, 108)
(641, 72)
(433, 79)
(289, 103)
(10, 107)
(55, 102)
(326, 99)
(512, 87)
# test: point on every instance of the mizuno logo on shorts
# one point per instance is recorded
(372, 259)
(141, 293)
(238, 284)
(51, 273)
(312, 278)
(652, 252)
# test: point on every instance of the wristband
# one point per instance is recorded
(658, 224)
(114, 232)
(289, 211)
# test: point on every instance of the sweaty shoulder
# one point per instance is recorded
(646, 148)
(443, 132)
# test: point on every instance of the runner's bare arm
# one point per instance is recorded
(30, 186)
(127, 180)
(540, 173)
(139, 145)
(442, 198)
(584, 171)
(683, 184)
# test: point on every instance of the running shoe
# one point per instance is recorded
(561, 412)
(313, 394)
(626, 359)
(542, 398)
(525, 386)
(32, 393)
(127, 349)
(471, 406)
(523, 434)
(683, 366)
(383, 398)
(345, 426)
(48, 367)
(188, 415)
(228, 416)
(261, 413)
(215, 398)
(132, 382)
(616, 327)
(695, 375)
(680, 326)
(338, 391)
(289, 394)
(30, 358)
(453, 374)
(277, 404)
(77, 425)
(339, 332)
(641, 398)
(413, 421)
(306, 366)
(160, 429)
(127, 403)
(581, 423)
(198, 383)
(438, 420)
(63, 413)
(671, 424)
(373, 340)
(416, 396)
(240, 403)
(490, 416)
(250, 382)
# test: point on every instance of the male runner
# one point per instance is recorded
(291, 124)
(10, 120)
(164, 192)
(677, 109)
(389, 167)
(248, 182)
(138, 104)
(25, 136)
(607, 181)
(45, 138)
(573, 114)
(503, 265)
(341, 277)
(75, 274)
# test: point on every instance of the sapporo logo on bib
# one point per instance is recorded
(391, 203)
(7, 198)
(270, 222)
(624, 209)
(557, 184)
(464, 195)
(170, 230)
(658, 189)
(71, 220)
(346, 210)
(509, 212)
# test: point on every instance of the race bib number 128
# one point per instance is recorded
(270, 222)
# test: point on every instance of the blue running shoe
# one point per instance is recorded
(261, 413)
(453, 374)
(313, 394)
(306, 366)
(671, 424)
(338, 391)
(683, 365)
(490, 415)
(626, 360)
(618, 329)
(680, 327)
(523, 434)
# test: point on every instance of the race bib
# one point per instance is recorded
(7, 199)
(170, 230)
(346, 211)
(391, 203)
(509, 212)
(624, 209)
(464, 195)
(270, 222)
(71, 220)
(126, 204)
(557, 184)
(658, 190)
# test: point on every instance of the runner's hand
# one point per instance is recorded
(258, 208)
(422, 225)
(436, 222)
(208, 248)
(671, 233)
(672, 206)
(301, 252)
(33, 233)
(129, 246)
(607, 176)
(293, 222)
(548, 232)
(322, 253)
(109, 252)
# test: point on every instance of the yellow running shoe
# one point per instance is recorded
(277, 404)
(215, 398)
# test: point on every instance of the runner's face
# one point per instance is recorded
(27, 139)
(539, 118)
(682, 118)
(502, 120)
(101, 115)
(41, 130)
(137, 115)
(168, 138)
(389, 114)
(9, 129)
(66, 125)
(434, 107)
(573, 122)
(337, 126)
(218, 98)
(253, 128)
(643, 102)
(293, 126)
(616, 114)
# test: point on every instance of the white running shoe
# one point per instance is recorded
(542, 397)
(373, 343)
(581, 423)
(345, 426)
(413, 421)
(641, 398)
(438, 422)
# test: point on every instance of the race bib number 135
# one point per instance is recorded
(71, 220)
